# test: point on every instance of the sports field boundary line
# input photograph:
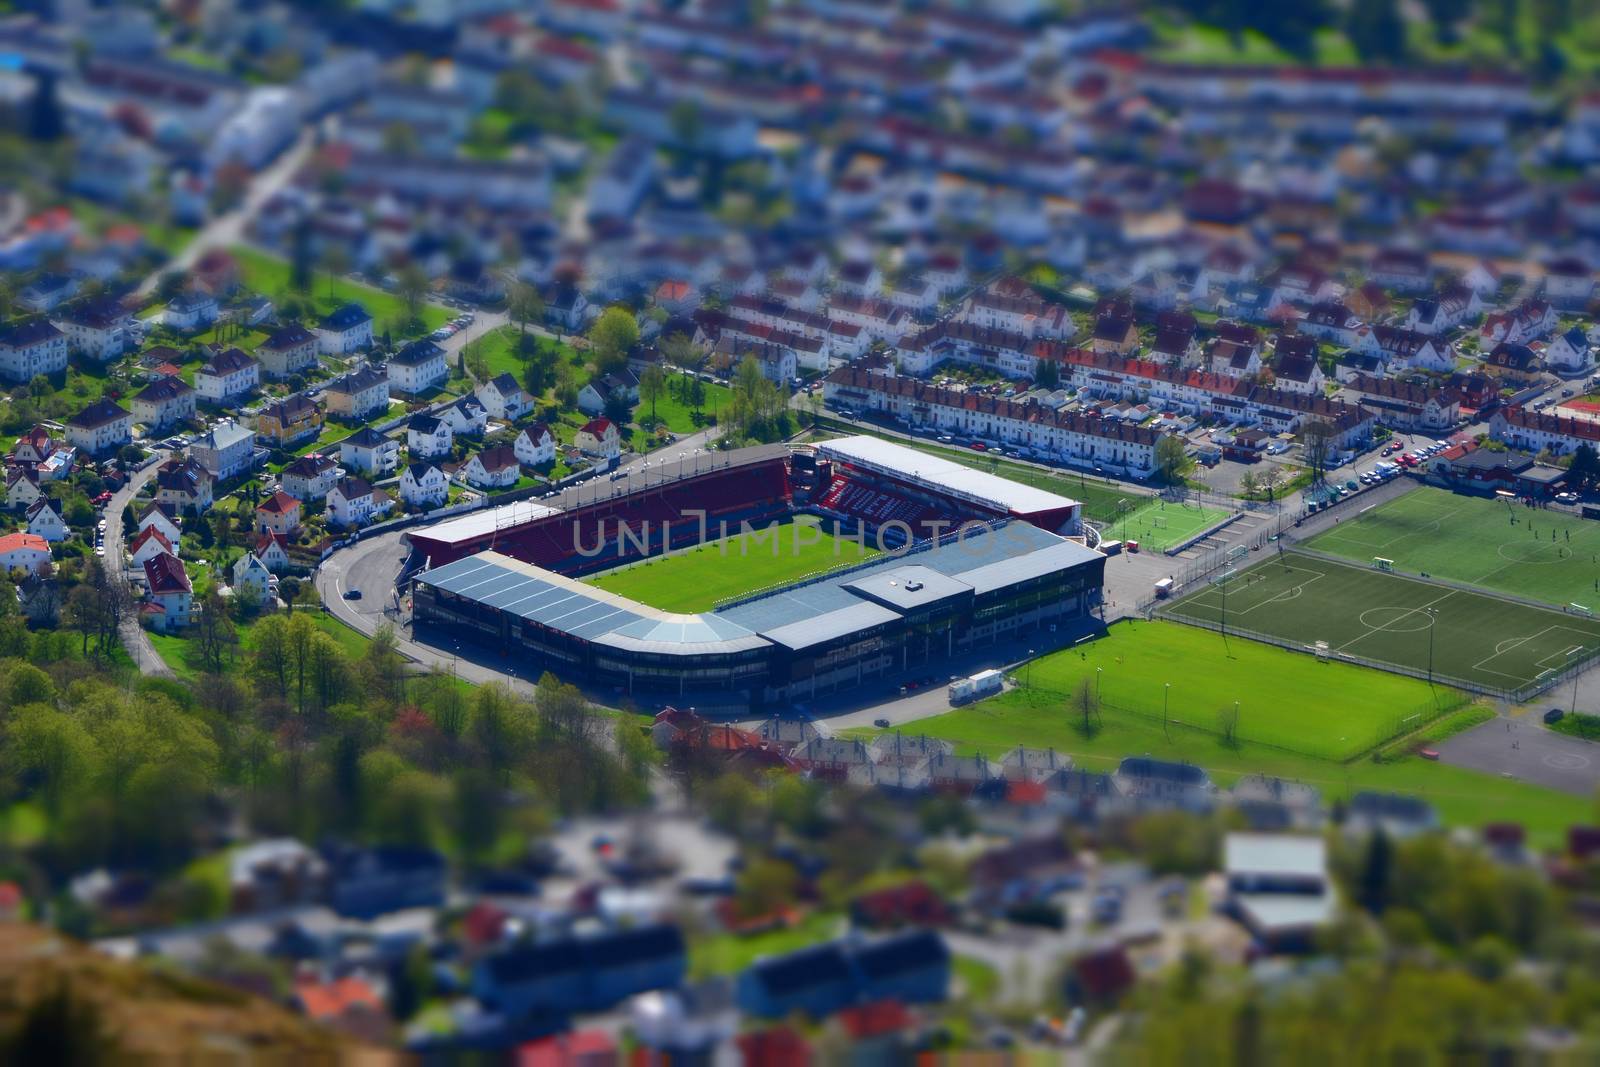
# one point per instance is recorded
(1432, 579)
(1519, 695)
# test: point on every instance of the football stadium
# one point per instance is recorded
(861, 560)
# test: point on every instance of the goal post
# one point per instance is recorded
(1580, 609)
(1381, 564)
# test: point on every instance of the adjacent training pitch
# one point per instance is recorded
(697, 579)
(1472, 638)
(1532, 552)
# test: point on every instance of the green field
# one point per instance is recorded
(1516, 549)
(269, 275)
(1473, 639)
(1309, 700)
(1294, 702)
(698, 578)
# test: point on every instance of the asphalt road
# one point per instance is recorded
(1524, 749)
(134, 638)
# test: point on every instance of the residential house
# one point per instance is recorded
(820, 980)
(599, 437)
(1447, 310)
(1331, 320)
(41, 454)
(24, 552)
(44, 520)
(101, 427)
(1407, 348)
(185, 485)
(1236, 353)
(310, 477)
(1163, 783)
(252, 578)
(424, 485)
(428, 436)
(278, 514)
(1570, 353)
(1397, 814)
(358, 394)
(418, 367)
(169, 600)
(97, 329)
(287, 351)
(465, 416)
(227, 376)
(1407, 406)
(1114, 328)
(190, 312)
(493, 468)
(149, 542)
(1295, 366)
(272, 549)
(369, 452)
(287, 422)
(22, 489)
(1568, 282)
(1514, 364)
(347, 329)
(1279, 888)
(32, 348)
(580, 974)
(354, 502)
(1404, 269)
(163, 402)
(47, 292)
(366, 883)
(162, 517)
(1536, 432)
(535, 445)
(623, 385)
(504, 399)
(226, 450)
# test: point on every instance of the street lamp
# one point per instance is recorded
(1433, 619)
(1166, 699)
(1099, 679)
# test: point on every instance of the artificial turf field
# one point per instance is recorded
(1531, 552)
(1159, 524)
(1473, 638)
(697, 579)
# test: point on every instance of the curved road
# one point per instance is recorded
(134, 639)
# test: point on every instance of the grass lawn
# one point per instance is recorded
(728, 954)
(269, 275)
(1578, 724)
(697, 579)
(680, 417)
(1317, 706)
(1510, 547)
(1288, 700)
(1472, 638)
(182, 655)
(499, 348)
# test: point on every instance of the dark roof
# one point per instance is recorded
(819, 965)
(359, 380)
(1164, 770)
(164, 389)
(29, 333)
(100, 413)
(417, 353)
(620, 949)
(223, 363)
(366, 437)
(904, 952)
(344, 318)
(289, 336)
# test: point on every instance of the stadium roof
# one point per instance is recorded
(799, 616)
(896, 459)
(477, 523)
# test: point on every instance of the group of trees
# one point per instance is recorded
(758, 410)
(290, 735)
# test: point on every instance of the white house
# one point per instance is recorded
(149, 542)
(252, 577)
(188, 312)
(46, 522)
(428, 436)
(97, 330)
(227, 376)
(288, 351)
(503, 398)
(465, 416)
(424, 485)
(417, 367)
(369, 452)
(227, 449)
(155, 515)
(47, 292)
(272, 549)
(100, 428)
(535, 445)
(22, 489)
(169, 602)
(354, 502)
(1570, 353)
(32, 348)
(599, 437)
(348, 329)
(310, 477)
(163, 402)
(493, 468)
(23, 552)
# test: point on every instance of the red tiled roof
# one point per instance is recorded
(332, 999)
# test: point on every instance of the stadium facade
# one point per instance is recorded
(973, 560)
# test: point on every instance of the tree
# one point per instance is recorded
(652, 383)
(1446, 16)
(1249, 485)
(474, 361)
(1086, 704)
(1047, 374)
(412, 285)
(300, 256)
(1172, 459)
(336, 262)
(1317, 443)
(215, 635)
(613, 336)
(1376, 29)
(1585, 467)
(680, 350)
(524, 305)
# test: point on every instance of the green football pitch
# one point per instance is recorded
(1532, 552)
(1473, 639)
(1159, 524)
(697, 579)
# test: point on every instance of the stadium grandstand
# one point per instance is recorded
(973, 560)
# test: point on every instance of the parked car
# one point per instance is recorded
(1554, 715)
